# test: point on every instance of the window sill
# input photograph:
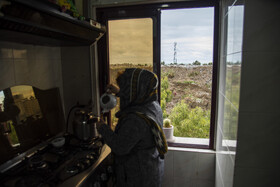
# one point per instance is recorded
(197, 143)
(201, 143)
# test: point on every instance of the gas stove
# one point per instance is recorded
(51, 166)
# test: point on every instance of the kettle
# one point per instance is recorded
(108, 102)
(84, 125)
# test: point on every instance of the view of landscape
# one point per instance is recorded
(186, 64)
(186, 98)
(188, 104)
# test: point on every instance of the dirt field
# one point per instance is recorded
(192, 84)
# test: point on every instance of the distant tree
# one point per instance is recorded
(162, 63)
(210, 63)
(196, 63)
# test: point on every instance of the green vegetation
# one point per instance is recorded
(170, 74)
(186, 82)
(189, 122)
(196, 63)
(194, 73)
(166, 94)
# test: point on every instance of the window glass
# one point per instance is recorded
(186, 71)
(130, 45)
(233, 58)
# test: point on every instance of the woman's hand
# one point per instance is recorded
(112, 88)
(100, 123)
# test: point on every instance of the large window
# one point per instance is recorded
(180, 46)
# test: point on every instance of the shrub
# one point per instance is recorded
(189, 122)
(194, 73)
(196, 63)
(166, 94)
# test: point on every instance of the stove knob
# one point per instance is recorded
(103, 177)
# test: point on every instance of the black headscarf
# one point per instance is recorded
(137, 87)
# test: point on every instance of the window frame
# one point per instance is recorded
(153, 11)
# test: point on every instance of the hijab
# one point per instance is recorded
(137, 87)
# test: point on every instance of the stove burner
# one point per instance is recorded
(86, 162)
(72, 169)
(37, 162)
(51, 166)
(86, 144)
(59, 151)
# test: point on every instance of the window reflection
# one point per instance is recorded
(28, 116)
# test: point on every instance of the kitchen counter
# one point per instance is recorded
(83, 178)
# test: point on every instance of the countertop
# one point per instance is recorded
(80, 178)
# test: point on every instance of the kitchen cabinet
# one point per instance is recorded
(40, 22)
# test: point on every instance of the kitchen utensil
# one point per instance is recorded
(84, 125)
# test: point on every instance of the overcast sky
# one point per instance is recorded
(192, 30)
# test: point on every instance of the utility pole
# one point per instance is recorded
(175, 53)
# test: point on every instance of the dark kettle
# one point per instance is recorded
(84, 125)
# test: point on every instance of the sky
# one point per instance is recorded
(130, 40)
(192, 30)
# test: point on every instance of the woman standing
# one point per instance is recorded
(138, 142)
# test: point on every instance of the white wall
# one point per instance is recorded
(258, 148)
(189, 168)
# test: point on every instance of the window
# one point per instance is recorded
(130, 45)
(117, 20)
(230, 74)
(186, 72)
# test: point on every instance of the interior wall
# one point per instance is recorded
(257, 156)
(76, 74)
(39, 66)
(189, 168)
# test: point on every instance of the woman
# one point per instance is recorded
(137, 142)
